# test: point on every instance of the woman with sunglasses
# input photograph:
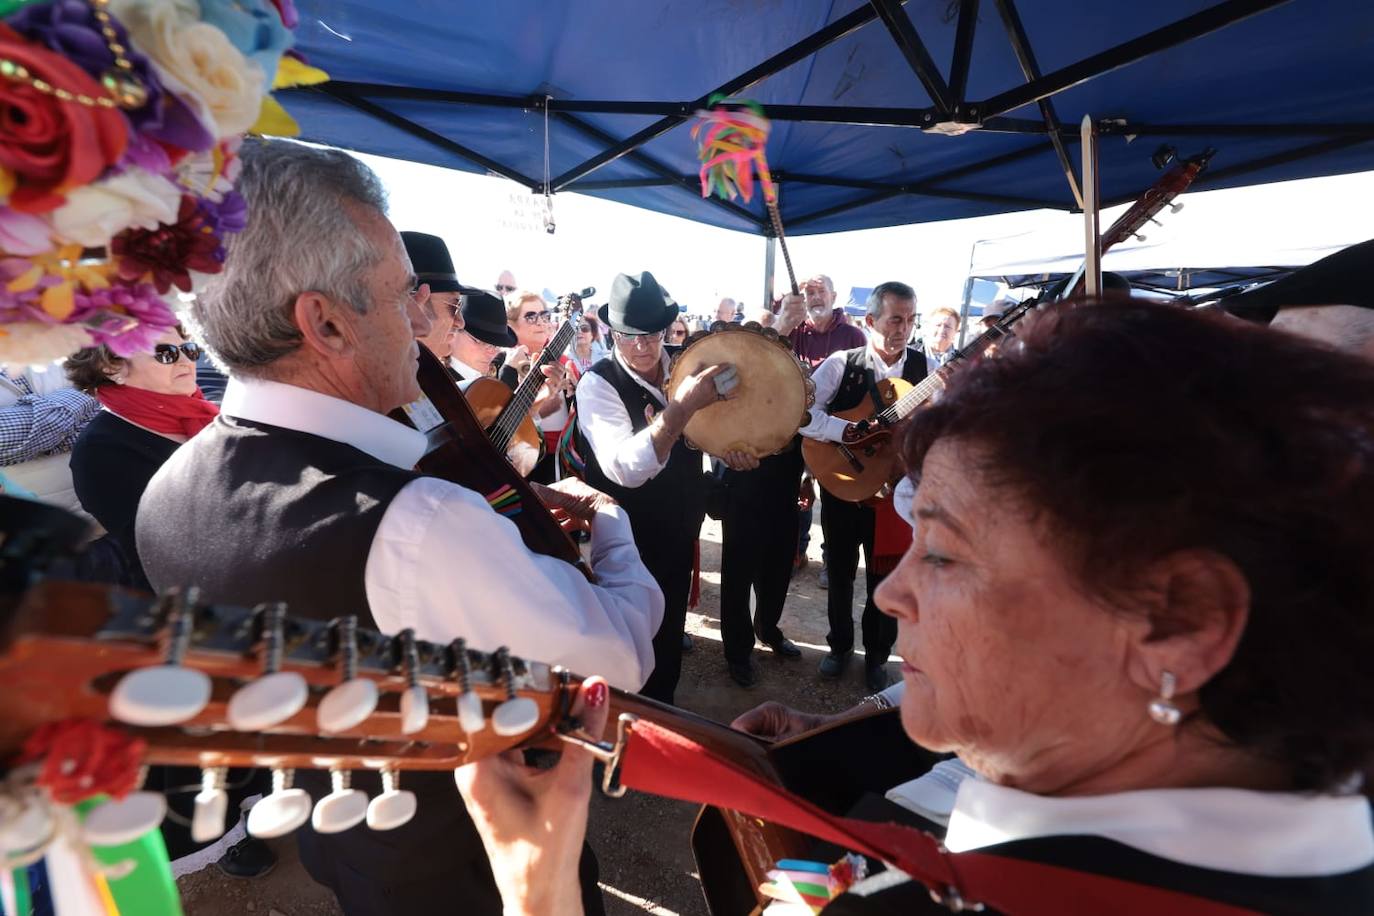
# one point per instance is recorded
(586, 350)
(151, 405)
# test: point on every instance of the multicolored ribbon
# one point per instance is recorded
(813, 884)
(506, 501)
(731, 136)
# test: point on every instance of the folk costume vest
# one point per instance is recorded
(859, 379)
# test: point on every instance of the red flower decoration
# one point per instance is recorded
(165, 256)
(81, 758)
(52, 146)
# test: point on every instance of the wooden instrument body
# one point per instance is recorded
(857, 472)
(488, 397)
(460, 451)
(774, 390)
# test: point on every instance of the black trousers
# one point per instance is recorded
(669, 556)
(847, 527)
(759, 531)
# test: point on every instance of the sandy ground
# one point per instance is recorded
(640, 840)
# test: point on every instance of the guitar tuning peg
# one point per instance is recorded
(277, 695)
(470, 717)
(1139, 237)
(119, 821)
(342, 808)
(516, 715)
(211, 805)
(414, 702)
(354, 698)
(282, 810)
(1174, 208)
(394, 807)
(169, 693)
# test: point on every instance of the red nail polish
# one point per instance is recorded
(596, 695)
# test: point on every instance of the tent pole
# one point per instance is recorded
(770, 263)
(968, 299)
(1092, 237)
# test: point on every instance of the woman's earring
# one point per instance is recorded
(1162, 708)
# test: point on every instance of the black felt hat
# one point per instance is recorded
(430, 260)
(1337, 279)
(638, 305)
(484, 317)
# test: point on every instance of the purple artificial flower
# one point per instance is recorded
(23, 233)
(69, 28)
(128, 318)
(227, 217)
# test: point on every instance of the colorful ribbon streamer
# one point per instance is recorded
(506, 501)
(732, 135)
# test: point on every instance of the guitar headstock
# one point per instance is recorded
(216, 686)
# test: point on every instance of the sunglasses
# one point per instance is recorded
(584, 329)
(167, 354)
(504, 289)
(537, 317)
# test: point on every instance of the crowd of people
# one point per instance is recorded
(1133, 593)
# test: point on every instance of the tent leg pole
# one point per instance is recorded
(770, 263)
(963, 309)
(1092, 200)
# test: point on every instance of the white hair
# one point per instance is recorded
(300, 237)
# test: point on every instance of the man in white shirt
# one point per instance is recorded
(630, 434)
(483, 335)
(843, 381)
(303, 491)
(41, 416)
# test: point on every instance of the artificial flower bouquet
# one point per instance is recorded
(119, 126)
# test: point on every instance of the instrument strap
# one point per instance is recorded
(663, 762)
(871, 378)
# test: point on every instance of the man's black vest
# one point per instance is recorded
(250, 513)
(859, 379)
(672, 502)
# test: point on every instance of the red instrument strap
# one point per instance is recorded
(662, 762)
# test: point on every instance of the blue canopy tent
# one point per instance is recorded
(884, 112)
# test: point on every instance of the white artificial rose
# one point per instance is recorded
(97, 212)
(195, 58)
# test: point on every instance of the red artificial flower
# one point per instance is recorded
(52, 146)
(165, 256)
(80, 758)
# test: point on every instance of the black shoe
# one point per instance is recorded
(687, 644)
(823, 580)
(248, 858)
(834, 663)
(875, 677)
(783, 647)
(742, 673)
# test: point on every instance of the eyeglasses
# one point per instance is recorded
(584, 329)
(543, 317)
(638, 341)
(167, 354)
(502, 288)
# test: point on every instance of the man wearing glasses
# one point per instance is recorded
(630, 433)
(505, 284)
(433, 266)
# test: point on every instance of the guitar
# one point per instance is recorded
(867, 461)
(461, 451)
(505, 414)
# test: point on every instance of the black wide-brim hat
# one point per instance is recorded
(638, 305)
(484, 317)
(1337, 279)
(430, 260)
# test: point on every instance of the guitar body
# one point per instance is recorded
(488, 397)
(857, 472)
(833, 767)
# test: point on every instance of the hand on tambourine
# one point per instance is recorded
(776, 721)
(706, 386)
(532, 822)
(739, 461)
(574, 497)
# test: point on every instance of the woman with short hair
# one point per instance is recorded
(1138, 607)
(151, 405)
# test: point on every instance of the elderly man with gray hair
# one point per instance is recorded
(304, 491)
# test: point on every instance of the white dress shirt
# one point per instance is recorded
(467, 372)
(444, 563)
(625, 456)
(827, 378)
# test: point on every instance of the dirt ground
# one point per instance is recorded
(640, 840)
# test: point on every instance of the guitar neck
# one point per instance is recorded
(509, 419)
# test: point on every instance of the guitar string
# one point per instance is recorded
(505, 427)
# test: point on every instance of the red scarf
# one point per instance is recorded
(170, 414)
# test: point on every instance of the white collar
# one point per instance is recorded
(277, 404)
(880, 366)
(463, 369)
(1274, 834)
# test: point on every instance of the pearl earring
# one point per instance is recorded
(1162, 708)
